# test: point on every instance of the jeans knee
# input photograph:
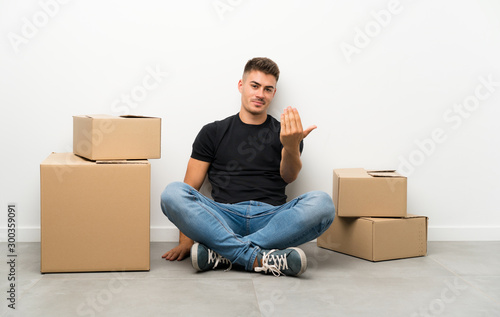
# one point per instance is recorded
(324, 207)
(170, 197)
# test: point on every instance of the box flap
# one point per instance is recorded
(381, 219)
(388, 173)
(96, 116)
(351, 172)
(385, 219)
(380, 171)
(72, 159)
(108, 116)
(65, 159)
(122, 162)
(362, 173)
(137, 116)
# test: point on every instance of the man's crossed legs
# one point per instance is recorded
(254, 235)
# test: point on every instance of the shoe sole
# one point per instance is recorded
(194, 256)
(303, 260)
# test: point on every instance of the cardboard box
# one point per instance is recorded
(95, 216)
(358, 193)
(105, 137)
(377, 239)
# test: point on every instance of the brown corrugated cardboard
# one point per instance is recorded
(106, 137)
(94, 215)
(377, 239)
(358, 192)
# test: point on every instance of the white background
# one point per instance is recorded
(373, 106)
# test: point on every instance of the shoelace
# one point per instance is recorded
(279, 261)
(217, 258)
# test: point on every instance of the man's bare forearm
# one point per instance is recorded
(291, 135)
(290, 165)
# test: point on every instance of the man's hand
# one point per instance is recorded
(291, 130)
(179, 253)
(290, 136)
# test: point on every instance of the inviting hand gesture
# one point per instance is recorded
(291, 129)
(290, 136)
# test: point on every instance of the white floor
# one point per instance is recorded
(455, 279)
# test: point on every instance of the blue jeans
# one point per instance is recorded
(239, 231)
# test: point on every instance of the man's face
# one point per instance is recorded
(257, 91)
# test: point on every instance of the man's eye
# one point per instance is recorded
(269, 90)
(254, 86)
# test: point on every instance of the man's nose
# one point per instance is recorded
(260, 93)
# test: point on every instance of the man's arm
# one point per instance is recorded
(291, 135)
(195, 176)
(196, 173)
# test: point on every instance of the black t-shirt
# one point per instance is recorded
(245, 160)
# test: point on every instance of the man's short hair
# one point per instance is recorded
(263, 64)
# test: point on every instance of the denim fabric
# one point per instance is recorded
(239, 231)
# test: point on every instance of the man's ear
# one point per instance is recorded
(240, 85)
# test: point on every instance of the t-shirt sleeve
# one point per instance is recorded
(204, 144)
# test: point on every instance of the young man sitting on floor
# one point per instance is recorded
(249, 157)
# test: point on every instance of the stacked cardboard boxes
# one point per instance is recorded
(95, 202)
(371, 218)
